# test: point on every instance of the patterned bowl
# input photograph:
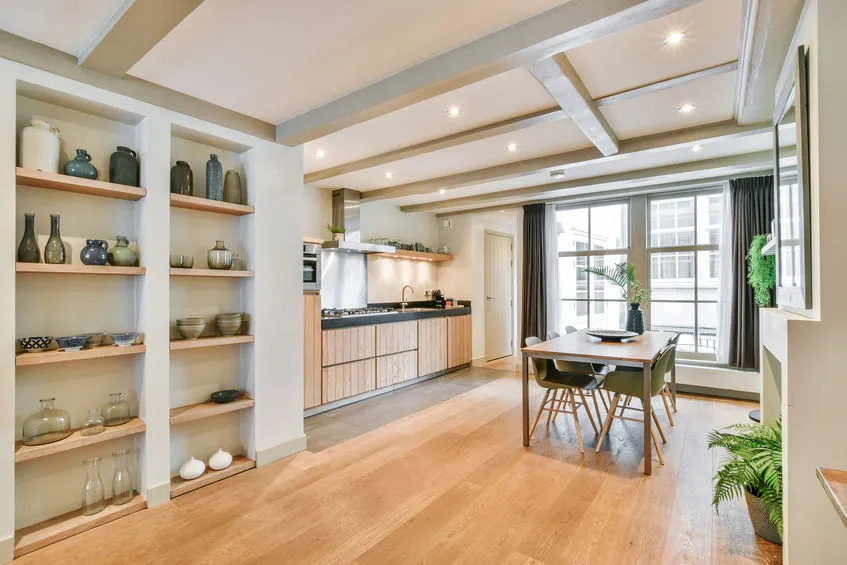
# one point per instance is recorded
(190, 331)
(96, 339)
(191, 322)
(72, 342)
(124, 339)
(35, 344)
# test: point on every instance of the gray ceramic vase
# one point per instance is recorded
(28, 251)
(232, 187)
(54, 251)
(219, 257)
(94, 252)
(123, 167)
(182, 179)
(214, 178)
(80, 166)
(121, 255)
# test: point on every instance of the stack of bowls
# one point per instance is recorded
(229, 324)
(190, 328)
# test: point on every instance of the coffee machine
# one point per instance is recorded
(438, 300)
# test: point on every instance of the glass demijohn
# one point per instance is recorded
(121, 480)
(47, 425)
(93, 499)
(116, 411)
(93, 424)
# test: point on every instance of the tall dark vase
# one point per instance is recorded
(182, 179)
(635, 319)
(123, 167)
(214, 179)
(54, 251)
(28, 251)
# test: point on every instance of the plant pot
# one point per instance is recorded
(338, 237)
(760, 517)
(635, 319)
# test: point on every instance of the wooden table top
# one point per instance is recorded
(835, 483)
(640, 349)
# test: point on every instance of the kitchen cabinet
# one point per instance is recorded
(432, 346)
(396, 368)
(348, 344)
(459, 344)
(348, 379)
(311, 349)
(396, 337)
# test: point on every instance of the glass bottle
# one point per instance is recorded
(121, 480)
(116, 411)
(28, 251)
(47, 425)
(54, 251)
(93, 499)
(92, 425)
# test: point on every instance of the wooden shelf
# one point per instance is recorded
(67, 183)
(835, 484)
(214, 273)
(206, 205)
(208, 409)
(75, 441)
(56, 356)
(239, 464)
(77, 269)
(317, 240)
(416, 256)
(62, 527)
(210, 342)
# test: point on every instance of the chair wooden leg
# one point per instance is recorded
(609, 417)
(667, 408)
(603, 398)
(594, 394)
(562, 405)
(540, 409)
(552, 406)
(587, 411)
(671, 397)
(658, 426)
(576, 420)
(658, 447)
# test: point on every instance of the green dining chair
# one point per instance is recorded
(667, 396)
(629, 384)
(570, 384)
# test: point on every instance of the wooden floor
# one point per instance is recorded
(450, 483)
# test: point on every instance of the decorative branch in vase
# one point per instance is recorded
(623, 275)
(337, 232)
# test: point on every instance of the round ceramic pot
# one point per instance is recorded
(191, 469)
(94, 252)
(80, 166)
(121, 255)
(40, 147)
(214, 178)
(123, 167)
(232, 187)
(219, 257)
(182, 179)
(761, 519)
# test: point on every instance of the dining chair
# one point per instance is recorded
(570, 329)
(552, 335)
(667, 396)
(570, 384)
(629, 384)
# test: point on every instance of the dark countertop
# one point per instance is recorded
(410, 313)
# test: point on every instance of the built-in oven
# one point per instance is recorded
(311, 266)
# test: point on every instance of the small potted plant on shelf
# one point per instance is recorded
(337, 232)
(754, 467)
(761, 271)
(623, 275)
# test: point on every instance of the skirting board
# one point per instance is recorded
(281, 451)
(718, 392)
(7, 550)
(158, 495)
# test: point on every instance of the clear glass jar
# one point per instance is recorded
(93, 499)
(47, 425)
(116, 411)
(93, 424)
(121, 480)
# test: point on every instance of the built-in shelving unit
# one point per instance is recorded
(77, 269)
(416, 256)
(77, 440)
(208, 409)
(56, 356)
(180, 486)
(834, 483)
(55, 181)
(212, 273)
(206, 205)
(61, 527)
(200, 342)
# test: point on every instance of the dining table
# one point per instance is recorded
(639, 351)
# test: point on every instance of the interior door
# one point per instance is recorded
(498, 296)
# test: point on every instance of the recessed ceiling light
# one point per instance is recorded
(696, 148)
(320, 153)
(557, 174)
(512, 147)
(454, 111)
(442, 192)
(674, 38)
(687, 108)
(388, 174)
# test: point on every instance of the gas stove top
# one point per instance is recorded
(349, 312)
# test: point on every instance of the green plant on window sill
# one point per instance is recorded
(623, 275)
(335, 229)
(761, 271)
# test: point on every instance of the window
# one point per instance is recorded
(596, 236)
(685, 269)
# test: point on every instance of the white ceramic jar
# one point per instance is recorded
(192, 469)
(40, 147)
(220, 460)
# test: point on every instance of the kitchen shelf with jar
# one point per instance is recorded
(240, 463)
(66, 183)
(178, 344)
(416, 256)
(205, 205)
(78, 269)
(211, 273)
(76, 440)
(202, 410)
(57, 356)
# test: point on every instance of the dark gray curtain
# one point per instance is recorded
(752, 212)
(534, 315)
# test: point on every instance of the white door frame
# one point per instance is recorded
(512, 301)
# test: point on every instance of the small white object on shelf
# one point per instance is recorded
(220, 460)
(191, 469)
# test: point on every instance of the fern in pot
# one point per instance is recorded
(754, 468)
(623, 275)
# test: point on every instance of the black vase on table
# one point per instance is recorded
(635, 319)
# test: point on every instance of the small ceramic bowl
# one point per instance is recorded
(225, 396)
(124, 339)
(181, 261)
(228, 326)
(191, 322)
(192, 331)
(95, 339)
(35, 344)
(72, 342)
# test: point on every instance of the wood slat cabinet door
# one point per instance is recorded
(347, 344)
(396, 337)
(396, 368)
(432, 346)
(348, 379)
(311, 350)
(459, 344)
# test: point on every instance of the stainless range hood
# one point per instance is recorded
(345, 212)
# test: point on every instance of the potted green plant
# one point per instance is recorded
(337, 232)
(761, 271)
(623, 275)
(754, 467)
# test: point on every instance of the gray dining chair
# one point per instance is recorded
(570, 329)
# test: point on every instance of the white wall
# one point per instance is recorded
(316, 211)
